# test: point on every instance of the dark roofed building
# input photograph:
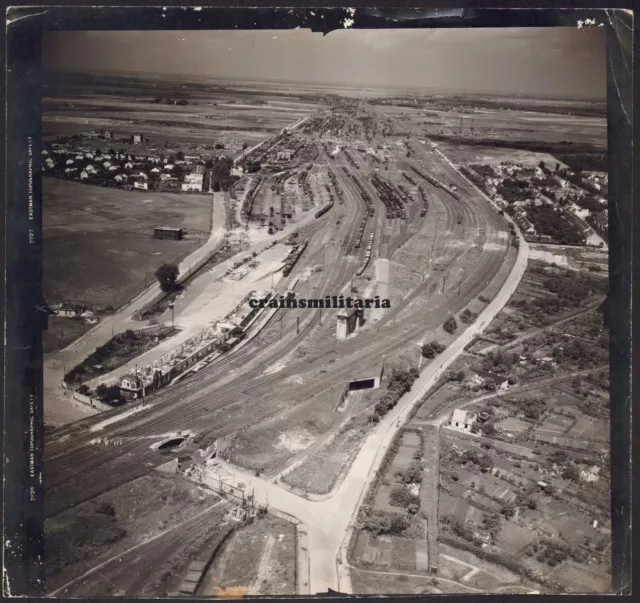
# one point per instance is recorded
(167, 232)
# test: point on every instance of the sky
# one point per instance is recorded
(553, 61)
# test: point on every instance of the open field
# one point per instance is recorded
(99, 248)
(259, 557)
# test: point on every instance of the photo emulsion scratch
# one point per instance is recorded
(325, 311)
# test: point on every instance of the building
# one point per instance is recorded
(462, 420)
(195, 180)
(484, 377)
(131, 386)
(167, 232)
(69, 310)
(141, 182)
(284, 155)
(107, 134)
(137, 138)
(348, 321)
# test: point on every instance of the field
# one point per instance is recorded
(75, 104)
(259, 557)
(99, 248)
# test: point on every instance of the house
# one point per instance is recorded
(131, 386)
(120, 178)
(155, 170)
(462, 420)
(90, 169)
(112, 168)
(483, 378)
(128, 165)
(49, 162)
(140, 182)
(107, 134)
(137, 138)
(84, 175)
(168, 166)
(70, 161)
(106, 164)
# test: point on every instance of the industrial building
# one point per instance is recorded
(167, 232)
(195, 180)
(348, 321)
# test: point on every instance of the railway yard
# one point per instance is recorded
(287, 416)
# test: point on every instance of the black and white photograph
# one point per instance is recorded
(326, 312)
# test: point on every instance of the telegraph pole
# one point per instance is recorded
(444, 280)
(297, 325)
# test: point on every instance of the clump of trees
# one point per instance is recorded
(432, 349)
(383, 522)
(482, 461)
(167, 276)
(553, 223)
(450, 325)
(401, 497)
(399, 384)
(110, 394)
(411, 475)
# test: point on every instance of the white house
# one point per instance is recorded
(90, 168)
(106, 164)
(128, 165)
(168, 166)
(137, 138)
(482, 377)
(462, 420)
(155, 170)
(70, 161)
(140, 182)
(69, 170)
(112, 168)
(49, 162)
(84, 175)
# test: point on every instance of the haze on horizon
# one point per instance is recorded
(555, 61)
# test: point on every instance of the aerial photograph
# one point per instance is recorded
(326, 312)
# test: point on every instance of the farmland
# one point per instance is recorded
(99, 248)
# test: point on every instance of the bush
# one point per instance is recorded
(167, 276)
(412, 475)
(401, 497)
(384, 522)
(432, 349)
(450, 325)
(106, 508)
(467, 316)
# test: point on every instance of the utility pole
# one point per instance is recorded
(297, 325)
(172, 315)
(444, 280)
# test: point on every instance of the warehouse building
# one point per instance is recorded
(167, 232)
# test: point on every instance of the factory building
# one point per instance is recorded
(195, 180)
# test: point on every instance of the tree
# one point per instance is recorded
(167, 276)
(450, 325)
(180, 156)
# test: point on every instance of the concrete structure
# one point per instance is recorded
(348, 321)
(167, 232)
(462, 420)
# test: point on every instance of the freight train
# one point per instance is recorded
(293, 258)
